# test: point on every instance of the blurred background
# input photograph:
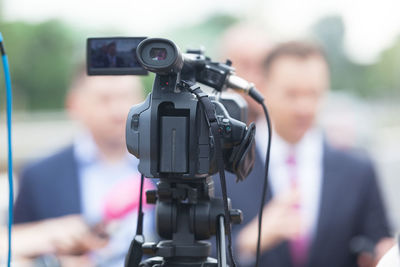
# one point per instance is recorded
(46, 39)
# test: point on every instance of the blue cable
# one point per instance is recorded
(10, 161)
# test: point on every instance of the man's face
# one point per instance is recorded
(102, 104)
(293, 89)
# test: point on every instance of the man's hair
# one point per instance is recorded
(293, 49)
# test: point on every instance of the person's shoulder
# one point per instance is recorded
(353, 166)
(55, 162)
(355, 157)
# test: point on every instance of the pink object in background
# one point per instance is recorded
(299, 246)
(123, 198)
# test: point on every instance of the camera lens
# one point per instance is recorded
(158, 54)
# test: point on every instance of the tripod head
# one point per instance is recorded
(186, 213)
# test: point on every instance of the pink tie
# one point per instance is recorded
(299, 245)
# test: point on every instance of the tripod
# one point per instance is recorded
(186, 213)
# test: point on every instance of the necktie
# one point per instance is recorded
(299, 245)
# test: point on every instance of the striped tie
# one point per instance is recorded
(300, 244)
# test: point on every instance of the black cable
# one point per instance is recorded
(139, 226)
(218, 148)
(265, 186)
(258, 97)
(135, 252)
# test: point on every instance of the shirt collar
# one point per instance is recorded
(86, 151)
(85, 148)
(310, 146)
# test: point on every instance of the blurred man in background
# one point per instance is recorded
(246, 45)
(319, 198)
(95, 175)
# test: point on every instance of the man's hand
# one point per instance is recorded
(63, 235)
(71, 235)
(76, 261)
(281, 221)
(371, 260)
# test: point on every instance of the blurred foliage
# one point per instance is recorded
(330, 33)
(384, 76)
(42, 58)
(380, 79)
(205, 35)
(40, 62)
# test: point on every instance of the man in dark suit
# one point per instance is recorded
(111, 59)
(85, 177)
(319, 198)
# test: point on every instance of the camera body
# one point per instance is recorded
(169, 132)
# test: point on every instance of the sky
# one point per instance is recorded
(371, 25)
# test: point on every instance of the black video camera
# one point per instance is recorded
(168, 132)
(182, 135)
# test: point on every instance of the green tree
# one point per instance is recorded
(384, 76)
(380, 79)
(330, 31)
(41, 61)
(42, 56)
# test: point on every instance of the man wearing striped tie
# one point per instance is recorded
(320, 198)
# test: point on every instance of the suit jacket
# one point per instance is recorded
(350, 206)
(49, 188)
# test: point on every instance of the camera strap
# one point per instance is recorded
(135, 252)
(139, 227)
(209, 112)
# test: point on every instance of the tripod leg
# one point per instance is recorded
(221, 246)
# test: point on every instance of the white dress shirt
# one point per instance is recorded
(391, 258)
(309, 169)
(96, 179)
